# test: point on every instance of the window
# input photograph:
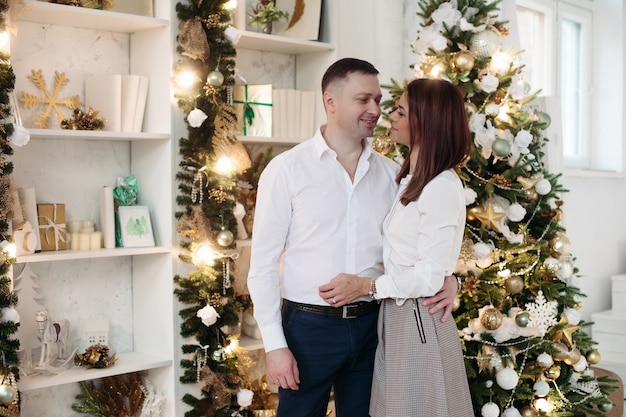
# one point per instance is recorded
(567, 56)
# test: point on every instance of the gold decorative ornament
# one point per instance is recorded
(489, 218)
(528, 411)
(193, 40)
(559, 351)
(593, 356)
(553, 372)
(566, 333)
(491, 318)
(84, 121)
(464, 61)
(573, 357)
(514, 284)
(382, 144)
(51, 98)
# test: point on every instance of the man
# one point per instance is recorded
(319, 212)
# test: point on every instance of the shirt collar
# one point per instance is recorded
(321, 147)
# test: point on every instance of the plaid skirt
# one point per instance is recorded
(419, 369)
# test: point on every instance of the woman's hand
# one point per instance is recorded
(344, 289)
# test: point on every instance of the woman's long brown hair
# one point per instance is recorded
(439, 129)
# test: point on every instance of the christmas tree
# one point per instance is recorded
(517, 313)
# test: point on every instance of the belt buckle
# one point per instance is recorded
(345, 314)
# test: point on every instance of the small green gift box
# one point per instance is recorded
(253, 105)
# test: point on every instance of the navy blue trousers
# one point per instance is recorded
(330, 352)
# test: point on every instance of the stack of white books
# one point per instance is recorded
(119, 99)
(293, 114)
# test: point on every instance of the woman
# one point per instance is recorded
(419, 368)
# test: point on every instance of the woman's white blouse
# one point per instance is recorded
(422, 240)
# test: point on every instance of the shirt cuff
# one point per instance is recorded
(273, 337)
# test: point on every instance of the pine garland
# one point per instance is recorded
(9, 345)
(207, 199)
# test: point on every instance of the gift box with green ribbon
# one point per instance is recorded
(253, 104)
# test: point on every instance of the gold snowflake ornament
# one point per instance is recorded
(51, 99)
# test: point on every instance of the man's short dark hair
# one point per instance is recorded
(344, 67)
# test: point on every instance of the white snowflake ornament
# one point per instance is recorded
(542, 313)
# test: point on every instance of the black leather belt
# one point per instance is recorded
(349, 311)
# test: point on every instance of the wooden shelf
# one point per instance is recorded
(81, 17)
(280, 44)
(68, 255)
(95, 135)
(125, 363)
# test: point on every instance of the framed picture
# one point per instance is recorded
(135, 226)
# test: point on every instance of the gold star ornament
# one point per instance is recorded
(565, 334)
(488, 218)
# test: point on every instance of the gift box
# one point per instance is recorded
(253, 105)
(52, 232)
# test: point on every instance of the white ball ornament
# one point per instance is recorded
(541, 388)
(490, 410)
(507, 378)
(7, 393)
(551, 264)
(543, 187)
(9, 314)
(486, 43)
(215, 78)
(511, 412)
(573, 316)
(545, 360)
(482, 250)
(225, 238)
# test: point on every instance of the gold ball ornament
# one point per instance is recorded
(486, 43)
(215, 78)
(491, 318)
(593, 356)
(225, 238)
(528, 411)
(382, 144)
(7, 393)
(553, 372)
(573, 357)
(559, 351)
(514, 284)
(560, 243)
(464, 61)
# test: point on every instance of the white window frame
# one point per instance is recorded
(582, 158)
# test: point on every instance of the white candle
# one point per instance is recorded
(95, 240)
(87, 226)
(83, 241)
(74, 241)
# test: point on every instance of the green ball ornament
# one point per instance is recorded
(522, 319)
(7, 393)
(215, 78)
(219, 354)
(501, 147)
(225, 238)
(605, 406)
(543, 120)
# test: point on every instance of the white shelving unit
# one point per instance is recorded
(134, 285)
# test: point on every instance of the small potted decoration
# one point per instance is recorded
(265, 14)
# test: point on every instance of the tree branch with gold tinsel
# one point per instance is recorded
(211, 157)
(518, 310)
(126, 395)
